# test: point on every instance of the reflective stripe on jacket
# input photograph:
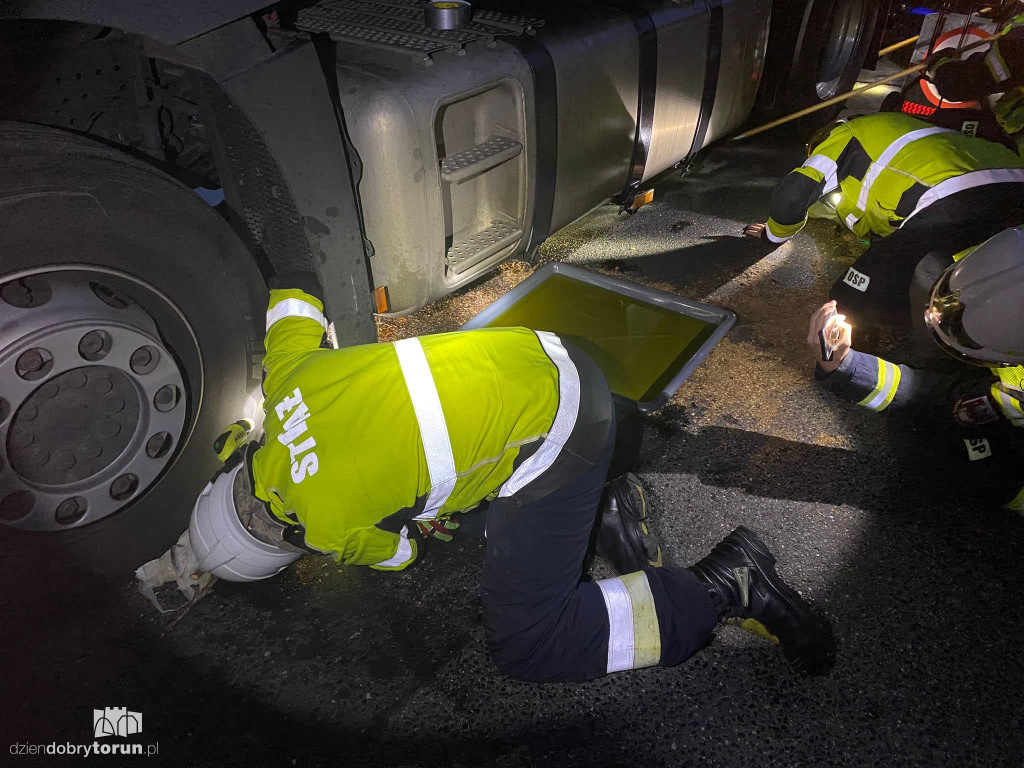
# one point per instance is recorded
(886, 168)
(361, 440)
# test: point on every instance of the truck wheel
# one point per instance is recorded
(129, 337)
(822, 62)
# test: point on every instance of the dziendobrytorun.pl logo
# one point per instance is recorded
(106, 722)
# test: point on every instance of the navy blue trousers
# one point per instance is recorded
(542, 622)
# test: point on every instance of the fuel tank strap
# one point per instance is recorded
(711, 68)
(647, 85)
(545, 112)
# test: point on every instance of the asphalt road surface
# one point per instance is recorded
(344, 666)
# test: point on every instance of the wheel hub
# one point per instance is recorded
(93, 405)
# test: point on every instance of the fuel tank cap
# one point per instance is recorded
(447, 14)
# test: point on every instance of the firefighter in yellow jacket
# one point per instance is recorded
(368, 448)
(909, 188)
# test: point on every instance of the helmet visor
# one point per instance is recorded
(944, 319)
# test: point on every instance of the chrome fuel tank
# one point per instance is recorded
(473, 149)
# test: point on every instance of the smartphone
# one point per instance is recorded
(828, 348)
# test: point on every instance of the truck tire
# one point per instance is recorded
(815, 51)
(130, 335)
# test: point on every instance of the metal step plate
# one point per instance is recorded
(469, 252)
(400, 24)
(484, 156)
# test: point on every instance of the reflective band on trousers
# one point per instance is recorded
(565, 417)
(1010, 406)
(294, 308)
(885, 390)
(879, 165)
(403, 555)
(966, 181)
(437, 447)
(634, 636)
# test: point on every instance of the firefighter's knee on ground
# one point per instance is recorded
(526, 647)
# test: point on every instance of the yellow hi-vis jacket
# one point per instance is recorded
(361, 441)
(886, 168)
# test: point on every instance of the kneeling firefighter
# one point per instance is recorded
(369, 448)
(974, 413)
(910, 187)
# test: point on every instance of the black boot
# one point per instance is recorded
(623, 539)
(740, 574)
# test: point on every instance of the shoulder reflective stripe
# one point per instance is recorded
(1017, 502)
(967, 181)
(405, 552)
(294, 308)
(1009, 405)
(634, 636)
(437, 447)
(879, 398)
(565, 417)
(886, 157)
(827, 167)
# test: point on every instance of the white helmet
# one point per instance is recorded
(976, 309)
(221, 543)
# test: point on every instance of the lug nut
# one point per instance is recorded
(95, 345)
(124, 486)
(5, 410)
(31, 361)
(158, 445)
(34, 364)
(71, 510)
(76, 379)
(166, 398)
(144, 360)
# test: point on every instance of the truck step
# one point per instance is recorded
(469, 162)
(470, 251)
